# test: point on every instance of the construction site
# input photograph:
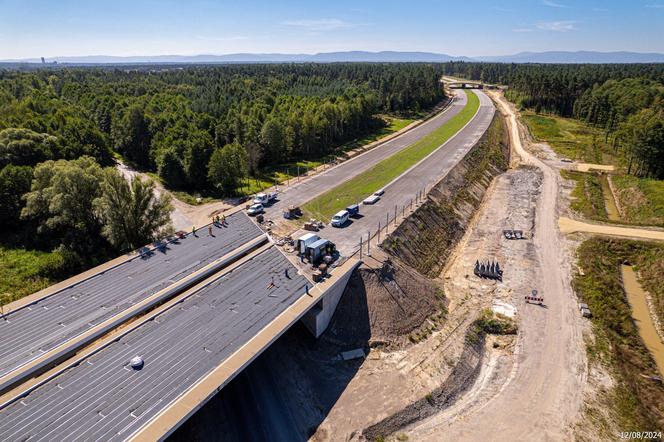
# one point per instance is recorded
(418, 313)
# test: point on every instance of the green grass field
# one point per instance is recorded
(363, 185)
(588, 195)
(641, 199)
(25, 271)
(569, 138)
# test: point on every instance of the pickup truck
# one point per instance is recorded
(265, 198)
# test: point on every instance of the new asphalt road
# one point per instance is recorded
(402, 190)
(311, 187)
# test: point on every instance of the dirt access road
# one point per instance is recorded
(540, 399)
(568, 225)
(184, 215)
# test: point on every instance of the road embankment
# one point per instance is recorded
(426, 239)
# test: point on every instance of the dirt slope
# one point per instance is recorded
(425, 240)
(539, 398)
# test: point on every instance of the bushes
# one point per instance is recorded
(635, 403)
(495, 323)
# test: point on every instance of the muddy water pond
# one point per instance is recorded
(637, 299)
(609, 201)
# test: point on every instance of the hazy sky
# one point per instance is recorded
(31, 28)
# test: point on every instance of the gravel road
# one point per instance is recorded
(541, 398)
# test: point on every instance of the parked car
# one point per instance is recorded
(353, 210)
(373, 199)
(379, 192)
(585, 310)
(255, 209)
(340, 218)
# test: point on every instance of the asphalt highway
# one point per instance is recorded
(310, 187)
(103, 398)
(404, 189)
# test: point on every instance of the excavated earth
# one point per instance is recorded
(418, 357)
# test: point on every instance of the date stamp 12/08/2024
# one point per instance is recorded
(641, 435)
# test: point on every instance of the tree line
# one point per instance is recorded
(171, 120)
(197, 128)
(625, 100)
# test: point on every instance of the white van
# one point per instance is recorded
(340, 218)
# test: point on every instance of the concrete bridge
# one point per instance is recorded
(465, 85)
(197, 309)
(65, 354)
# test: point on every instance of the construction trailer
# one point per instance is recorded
(304, 241)
(317, 250)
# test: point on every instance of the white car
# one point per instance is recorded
(373, 199)
(340, 218)
(255, 209)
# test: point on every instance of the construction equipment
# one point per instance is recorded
(317, 251)
(304, 241)
(513, 234)
(292, 212)
(490, 270)
(312, 227)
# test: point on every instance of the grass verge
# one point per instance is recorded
(364, 184)
(26, 271)
(633, 402)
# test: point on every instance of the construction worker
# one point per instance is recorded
(193, 230)
(210, 229)
(223, 220)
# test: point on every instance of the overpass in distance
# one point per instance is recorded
(197, 308)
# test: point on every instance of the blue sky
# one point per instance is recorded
(30, 28)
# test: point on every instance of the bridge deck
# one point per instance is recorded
(46, 324)
(103, 399)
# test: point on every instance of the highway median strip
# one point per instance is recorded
(366, 183)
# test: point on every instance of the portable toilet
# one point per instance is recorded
(305, 240)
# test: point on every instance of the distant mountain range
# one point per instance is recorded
(361, 56)
(577, 57)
